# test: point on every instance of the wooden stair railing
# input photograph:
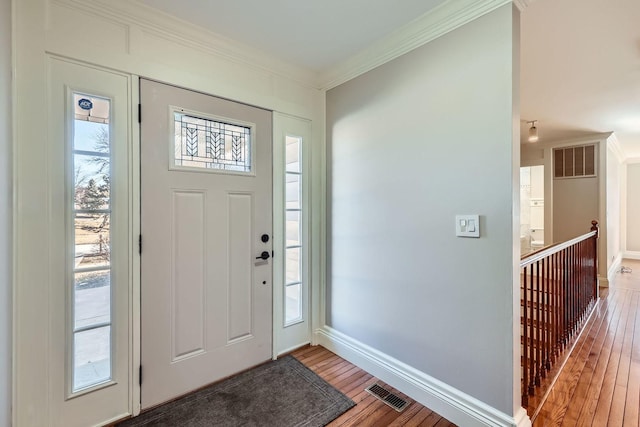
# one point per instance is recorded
(559, 287)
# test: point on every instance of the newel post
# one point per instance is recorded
(594, 227)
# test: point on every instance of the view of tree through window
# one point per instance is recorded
(92, 242)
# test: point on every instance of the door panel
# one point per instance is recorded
(188, 254)
(206, 200)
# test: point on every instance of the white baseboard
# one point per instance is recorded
(615, 267)
(455, 405)
(632, 254)
(603, 281)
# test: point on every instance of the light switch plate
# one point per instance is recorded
(468, 225)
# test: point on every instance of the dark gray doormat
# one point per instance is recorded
(282, 393)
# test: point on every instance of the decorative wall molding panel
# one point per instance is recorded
(138, 20)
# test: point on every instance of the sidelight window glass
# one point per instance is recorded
(92, 349)
(293, 231)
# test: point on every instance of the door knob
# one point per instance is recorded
(264, 255)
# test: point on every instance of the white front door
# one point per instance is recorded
(206, 201)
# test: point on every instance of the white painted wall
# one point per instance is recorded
(633, 207)
(537, 182)
(413, 143)
(5, 213)
(613, 183)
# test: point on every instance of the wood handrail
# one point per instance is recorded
(559, 287)
(532, 257)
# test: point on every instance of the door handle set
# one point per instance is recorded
(265, 254)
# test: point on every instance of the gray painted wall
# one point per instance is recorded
(575, 205)
(5, 213)
(633, 207)
(411, 144)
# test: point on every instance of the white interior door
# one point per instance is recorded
(206, 201)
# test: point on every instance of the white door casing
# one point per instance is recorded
(44, 29)
(206, 301)
(291, 336)
(109, 400)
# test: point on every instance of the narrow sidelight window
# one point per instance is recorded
(90, 210)
(293, 231)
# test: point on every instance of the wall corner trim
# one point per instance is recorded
(433, 24)
(617, 149)
(522, 4)
(455, 405)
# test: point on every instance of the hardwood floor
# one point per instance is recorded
(352, 381)
(600, 383)
(598, 386)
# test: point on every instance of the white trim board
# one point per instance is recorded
(632, 255)
(455, 405)
(138, 16)
(614, 144)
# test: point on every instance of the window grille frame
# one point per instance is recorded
(302, 245)
(573, 148)
(70, 244)
(215, 118)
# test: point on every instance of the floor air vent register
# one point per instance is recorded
(387, 397)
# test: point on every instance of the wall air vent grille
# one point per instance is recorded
(574, 162)
(387, 397)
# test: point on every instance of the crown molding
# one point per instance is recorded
(136, 15)
(522, 4)
(618, 151)
(433, 24)
(567, 142)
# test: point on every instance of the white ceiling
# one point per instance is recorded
(581, 69)
(580, 59)
(313, 34)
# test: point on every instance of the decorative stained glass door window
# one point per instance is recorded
(212, 144)
(91, 217)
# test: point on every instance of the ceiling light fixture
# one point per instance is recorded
(533, 132)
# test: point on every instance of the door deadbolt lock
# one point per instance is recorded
(264, 238)
(264, 255)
